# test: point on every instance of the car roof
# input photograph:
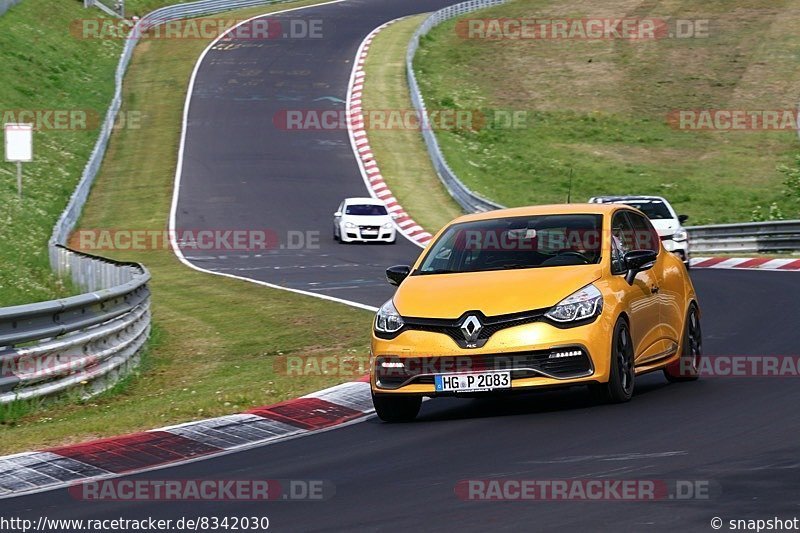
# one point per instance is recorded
(612, 199)
(552, 209)
(363, 201)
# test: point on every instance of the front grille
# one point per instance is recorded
(491, 325)
(522, 364)
(376, 230)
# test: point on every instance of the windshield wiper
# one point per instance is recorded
(438, 271)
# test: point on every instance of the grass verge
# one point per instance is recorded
(217, 339)
(401, 152)
(599, 108)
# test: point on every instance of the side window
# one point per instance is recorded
(644, 236)
(621, 241)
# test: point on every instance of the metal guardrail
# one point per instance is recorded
(92, 339)
(5, 5)
(467, 199)
(746, 238)
(774, 236)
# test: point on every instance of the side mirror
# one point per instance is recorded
(396, 274)
(683, 218)
(637, 261)
(394, 216)
(337, 214)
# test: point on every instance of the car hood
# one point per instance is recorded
(492, 293)
(367, 220)
(665, 227)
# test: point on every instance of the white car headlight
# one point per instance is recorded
(349, 225)
(388, 320)
(581, 304)
(388, 225)
(680, 235)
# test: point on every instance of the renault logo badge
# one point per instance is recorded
(471, 328)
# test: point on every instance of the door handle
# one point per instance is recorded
(654, 289)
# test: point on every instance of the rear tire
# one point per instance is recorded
(619, 388)
(392, 408)
(687, 367)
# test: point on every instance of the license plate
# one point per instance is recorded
(475, 382)
(369, 231)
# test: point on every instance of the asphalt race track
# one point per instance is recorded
(241, 170)
(741, 434)
(738, 433)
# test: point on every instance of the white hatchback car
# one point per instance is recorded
(666, 222)
(363, 220)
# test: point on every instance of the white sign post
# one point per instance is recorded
(19, 147)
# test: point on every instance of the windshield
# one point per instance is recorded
(654, 209)
(365, 210)
(516, 242)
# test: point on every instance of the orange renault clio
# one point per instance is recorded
(515, 299)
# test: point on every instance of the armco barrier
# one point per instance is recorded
(5, 5)
(744, 238)
(89, 340)
(468, 200)
(751, 237)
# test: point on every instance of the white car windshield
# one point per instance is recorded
(365, 210)
(654, 209)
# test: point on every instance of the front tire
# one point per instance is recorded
(619, 388)
(392, 408)
(687, 367)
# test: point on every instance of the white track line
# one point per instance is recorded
(179, 171)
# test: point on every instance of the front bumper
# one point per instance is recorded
(529, 351)
(679, 248)
(359, 234)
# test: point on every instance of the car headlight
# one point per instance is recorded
(349, 225)
(680, 235)
(580, 305)
(388, 320)
(388, 225)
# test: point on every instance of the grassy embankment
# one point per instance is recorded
(599, 108)
(216, 339)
